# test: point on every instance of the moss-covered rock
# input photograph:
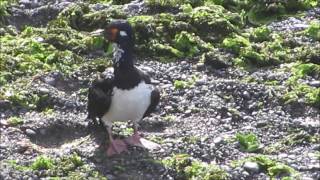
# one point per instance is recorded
(66, 167)
(31, 55)
(81, 17)
(261, 11)
(4, 5)
(188, 32)
(301, 91)
(188, 168)
(216, 59)
(260, 34)
(313, 30)
(273, 168)
(235, 43)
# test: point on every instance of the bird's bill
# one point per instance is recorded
(98, 32)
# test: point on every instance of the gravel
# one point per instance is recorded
(200, 120)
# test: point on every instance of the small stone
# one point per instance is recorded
(218, 140)
(251, 167)
(168, 108)
(39, 39)
(283, 155)
(30, 132)
(246, 95)
(261, 124)
(44, 90)
(110, 176)
(3, 122)
(3, 146)
(200, 66)
(201, 82)
(188, 112)
(315, 84)
(245, 173)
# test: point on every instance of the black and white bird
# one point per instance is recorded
(128, 95)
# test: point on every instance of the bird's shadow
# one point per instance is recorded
(137, 163)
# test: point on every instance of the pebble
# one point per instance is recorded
(44, 90)
(218, 140)
(246, 95)
(261, 124)
(30, 132)
(282, 155)
(245, 173)
(315, 84)
(251, 167)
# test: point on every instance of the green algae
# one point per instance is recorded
(248, 142)
(235, 43)
(181, 84)
(299, 137)
(273, 168)
(81, 17)
(66, 167)
(188, 168)
(30, 56)
(310, 95)
(313, 30)
(260, 34)
(14, 121)
(172, 3)
(42, 163)
(190, 44)
(261, 12)
(4, 13)
(19, 94)
(183, 34)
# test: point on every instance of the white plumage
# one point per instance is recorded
(128, 104)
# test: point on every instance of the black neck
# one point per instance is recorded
(125, 74)
(124, 55)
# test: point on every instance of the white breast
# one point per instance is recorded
(129, 104)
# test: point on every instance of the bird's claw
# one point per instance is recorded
(116, 147)
(136, 140)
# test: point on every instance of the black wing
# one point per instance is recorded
(99, 97)
(155, 98)
(144, 76)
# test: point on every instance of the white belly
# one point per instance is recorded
(128, 104)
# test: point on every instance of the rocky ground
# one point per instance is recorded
(202, 114)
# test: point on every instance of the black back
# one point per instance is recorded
(99, 97)
(128, 78)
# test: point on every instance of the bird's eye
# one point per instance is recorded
(123, 33)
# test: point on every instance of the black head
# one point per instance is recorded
(120, 32)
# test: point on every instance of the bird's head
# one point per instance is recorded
(120, 33)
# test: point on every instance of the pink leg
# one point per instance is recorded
(116, 146)
(137, 140)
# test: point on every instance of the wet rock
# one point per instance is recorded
(246, 95)
(315, 83)
(218, 140)
(30, 132)
(34, 13)
(216, 60)
(261, 124)
(251, 167)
